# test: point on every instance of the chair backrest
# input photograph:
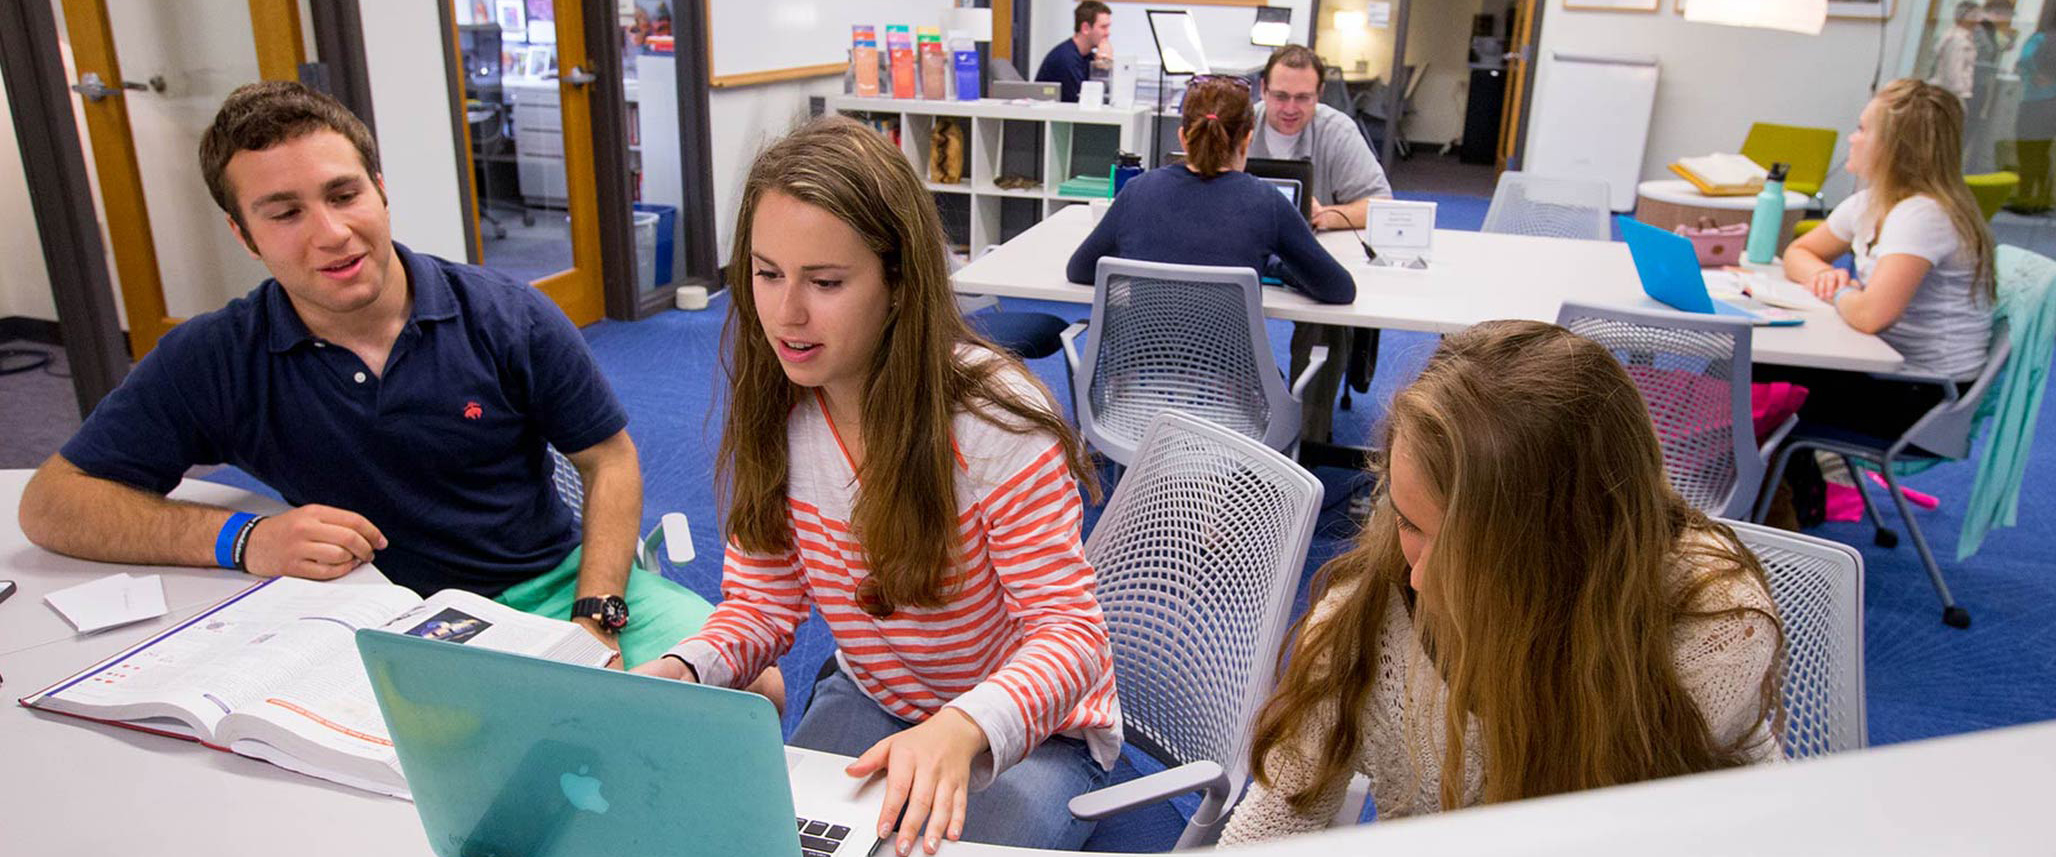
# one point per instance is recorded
(1818, 588)
(1179, 337)
(1810, 152)
(1693, 371)
(1334, 91)
(1198, 555)
(1992, 190)
(570, 486)
(1549, 207)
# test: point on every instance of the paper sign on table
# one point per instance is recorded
(117, 599)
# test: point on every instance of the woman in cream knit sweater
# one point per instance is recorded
(1530, 609)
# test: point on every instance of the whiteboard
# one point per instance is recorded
(1592, 121)
(759, 41)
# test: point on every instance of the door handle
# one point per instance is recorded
(94, 89)
(578, 76)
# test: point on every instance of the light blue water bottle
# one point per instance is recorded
(1769, 220)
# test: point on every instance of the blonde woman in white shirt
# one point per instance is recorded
(1530, 609)
(1924, 281)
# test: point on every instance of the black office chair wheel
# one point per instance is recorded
(499, 232)
(1885, 538)
(1955, 617)
(527, 218)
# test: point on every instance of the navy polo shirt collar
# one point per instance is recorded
(433, 301)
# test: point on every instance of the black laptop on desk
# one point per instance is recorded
(1294, 178)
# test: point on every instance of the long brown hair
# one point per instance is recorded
(906, 506)
(1217, 121)
(1548, 609)
(1917, 148)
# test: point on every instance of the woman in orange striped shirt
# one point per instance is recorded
(885, 465)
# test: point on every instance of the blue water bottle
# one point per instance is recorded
(1769, 221)
(1127, 166)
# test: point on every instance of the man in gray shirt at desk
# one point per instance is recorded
(1292, 123)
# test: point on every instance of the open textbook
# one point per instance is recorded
(273, 673)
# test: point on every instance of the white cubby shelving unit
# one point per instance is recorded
(1047, 142)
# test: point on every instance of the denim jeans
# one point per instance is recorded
(1026, 806)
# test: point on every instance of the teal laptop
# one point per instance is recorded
(1669, 269)
(509, 755)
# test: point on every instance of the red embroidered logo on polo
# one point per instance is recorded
(472, 411)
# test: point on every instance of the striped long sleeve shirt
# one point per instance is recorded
(1020, 646)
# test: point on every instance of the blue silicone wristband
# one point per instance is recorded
(225, 541)
(1837, 298)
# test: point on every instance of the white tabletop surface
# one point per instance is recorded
(1681, 192)
(1475, 276)
(73, 787)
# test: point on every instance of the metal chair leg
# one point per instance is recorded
(1952, 615)
(1770, 482)
(1881, 535)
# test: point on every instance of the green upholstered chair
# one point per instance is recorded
(1810, 151)
(1992, 190)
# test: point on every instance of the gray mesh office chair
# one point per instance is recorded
(1945, 432)
(1818, 588)
(1198, 553)
(1693, 371)
(669, 540)
(1548, 207)
(1180, 337)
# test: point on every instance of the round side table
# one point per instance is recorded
(1670, 203)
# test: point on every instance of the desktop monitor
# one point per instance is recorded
(1273, 26)
(1177, 42)
(1299, 172)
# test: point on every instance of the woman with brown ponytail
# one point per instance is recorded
(1207, 211)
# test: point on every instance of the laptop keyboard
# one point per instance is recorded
(819, 838)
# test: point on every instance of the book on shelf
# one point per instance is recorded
(272, 673)
(899, 45)
(864, 60)
(1722, 174)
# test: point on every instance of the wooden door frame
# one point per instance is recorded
(121, 178)
(577, 290)
(1519, 79)
(281, 41)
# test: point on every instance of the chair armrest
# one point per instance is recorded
(1777, 436)
(1069, 336)
(1315, 359)
(1204, 776)
(674, 534)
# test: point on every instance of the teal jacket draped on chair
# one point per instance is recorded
(2027, 301)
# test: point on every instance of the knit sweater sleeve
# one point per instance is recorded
(1264, 812)
(1722, 659)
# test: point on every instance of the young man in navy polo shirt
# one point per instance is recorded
(1070, 62)
(400, 402)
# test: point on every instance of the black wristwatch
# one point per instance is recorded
(608, 610)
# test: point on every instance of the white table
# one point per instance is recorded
(75, 787)
(1474, 277)
(78, 788)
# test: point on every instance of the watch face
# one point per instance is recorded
(614, 612)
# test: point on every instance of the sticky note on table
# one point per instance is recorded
(117, 599)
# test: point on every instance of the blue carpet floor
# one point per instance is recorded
(1923, 679)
